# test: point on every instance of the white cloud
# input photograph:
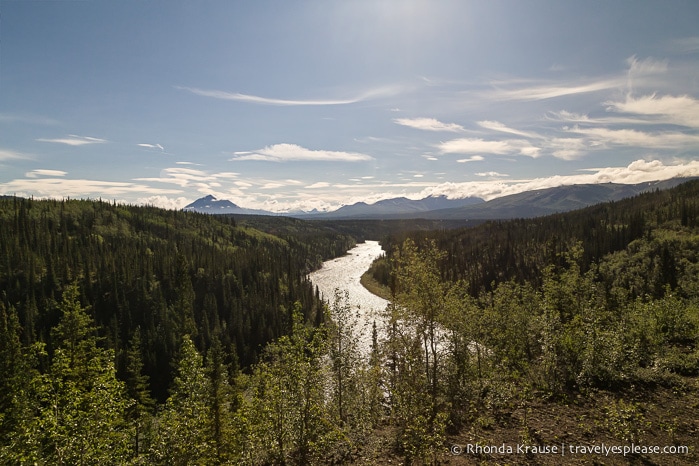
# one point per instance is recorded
(254, 99)
(43, 172)
(429, 124)
(497, 126)
(75, 140)
(687, 44)
(646, 66)
(480, 146)
(60, 187)
(164, 202)
(565, 116)
(680, 110)
(182, 177)
(12, 155)
(28, 119)
(151, 146)
(474, 146)
(293, 152)
(566, 148)
(550, 91)
(635, 138)
(319, 184)
(491, 174)
(474, 158)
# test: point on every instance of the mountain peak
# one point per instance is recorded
(210, 203)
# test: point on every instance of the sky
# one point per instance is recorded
(296, 105)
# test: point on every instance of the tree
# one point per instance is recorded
(221, 403)
(16, 414)
(285, 403)
(138, 389)
(182, 435)
(82, 404)
(418, 347)
(354, 382)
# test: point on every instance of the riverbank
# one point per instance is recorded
(374, 287)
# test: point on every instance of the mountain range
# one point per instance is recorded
(527, 204)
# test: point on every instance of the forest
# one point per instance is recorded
(135, 335)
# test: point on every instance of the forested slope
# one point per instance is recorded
(660, 221)
(167, 273)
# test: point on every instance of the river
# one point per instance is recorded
(343, 273)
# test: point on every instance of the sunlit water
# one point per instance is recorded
(343, 273)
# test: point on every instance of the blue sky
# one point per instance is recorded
(288, 105)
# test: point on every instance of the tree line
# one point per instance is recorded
(163, 273)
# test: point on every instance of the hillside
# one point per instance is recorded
(589, 326)
(168, 273)
(521, 249)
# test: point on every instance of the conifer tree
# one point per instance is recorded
(138, 389)
(182, 435)
(82, 404)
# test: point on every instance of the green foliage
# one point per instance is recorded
(183, 435)
(284, 406)
(81, 406)
(167, 272)
(416, 352)
(626, 421)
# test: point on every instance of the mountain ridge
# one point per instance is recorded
(527, 204)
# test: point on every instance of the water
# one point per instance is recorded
(343, 273)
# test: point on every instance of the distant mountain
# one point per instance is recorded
(398, 207)
(548, 201)
(528, 204)
(210, 205)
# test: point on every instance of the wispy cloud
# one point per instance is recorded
(645, 66)
(255, 99)
(480, 146)
(686, 44)
(565, 116)
(293, 152)
(554, 90)
(43, 172)
(474, 146)
(474, 158)
(497, 126)
(6, 154)
(74, 140)
(27, 119)
(680, 110)
(429, 124)
(164, 202)
(318, 185)
(636, 138)
(566, 148)
(491, 174)
(189, 177)
(60, 187)
(151, 146)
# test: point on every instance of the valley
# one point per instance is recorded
(147, 330)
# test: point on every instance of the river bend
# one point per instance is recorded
(344, 273)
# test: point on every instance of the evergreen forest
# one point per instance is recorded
(136, 335)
